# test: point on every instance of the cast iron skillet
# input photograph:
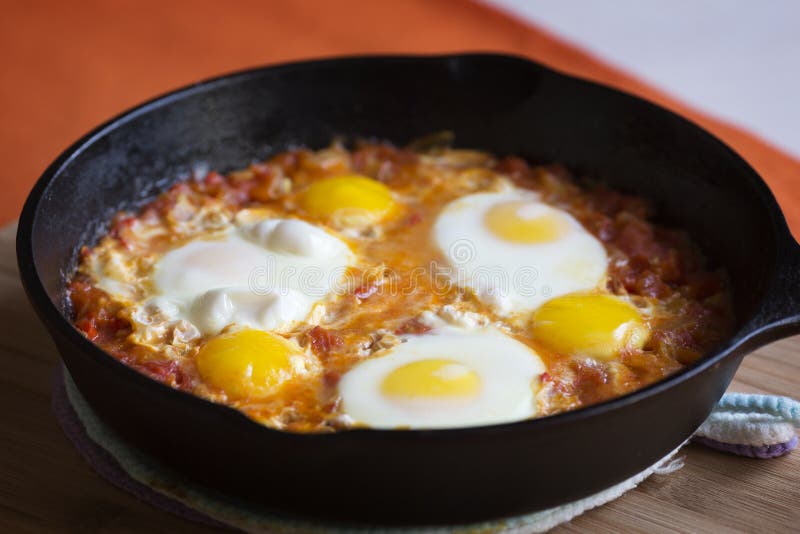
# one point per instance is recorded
(503, 104)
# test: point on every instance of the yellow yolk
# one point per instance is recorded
(592, 325)
(247, 363)
(431, 378)
(348, 195)
(522, 222)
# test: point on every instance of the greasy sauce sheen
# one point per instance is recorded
(656, 269)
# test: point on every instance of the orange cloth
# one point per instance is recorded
(67, 66)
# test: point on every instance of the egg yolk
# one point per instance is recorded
(524, 222)
(593, 325)
(433, 378)
(351, 195)
(247, 363)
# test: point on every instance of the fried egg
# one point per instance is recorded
(348, 200)
(516, 252)
(598, 326)
(251, 364)
(266, 275)
(449, 377)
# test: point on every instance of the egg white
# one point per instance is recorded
(509, 276)
(507, 370)
(267, 275)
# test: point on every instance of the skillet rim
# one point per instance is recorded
(753, 330)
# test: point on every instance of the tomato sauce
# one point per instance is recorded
(691, 311)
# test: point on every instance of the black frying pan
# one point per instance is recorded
(502, 104)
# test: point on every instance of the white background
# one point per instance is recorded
(736, 59)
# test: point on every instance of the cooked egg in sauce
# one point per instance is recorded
(515, 252)
(387, 288)
(444, 378)
(598, 326)
(348, 200)
(251, 363)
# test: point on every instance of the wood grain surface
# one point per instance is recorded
(46, 487)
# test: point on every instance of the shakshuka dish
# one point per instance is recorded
(398, 288)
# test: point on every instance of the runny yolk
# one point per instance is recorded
(432, 378)
(348, 196)
(597, 326)
(525, 222)
(245, 364)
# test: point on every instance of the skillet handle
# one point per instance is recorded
(780, 315)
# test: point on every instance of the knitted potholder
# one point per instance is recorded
(758, 426)
(157, 484)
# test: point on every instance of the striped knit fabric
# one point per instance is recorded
(758, 426)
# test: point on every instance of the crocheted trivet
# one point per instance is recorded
(144, 477)
(758, 426)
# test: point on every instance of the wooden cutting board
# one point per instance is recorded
(46, 487)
